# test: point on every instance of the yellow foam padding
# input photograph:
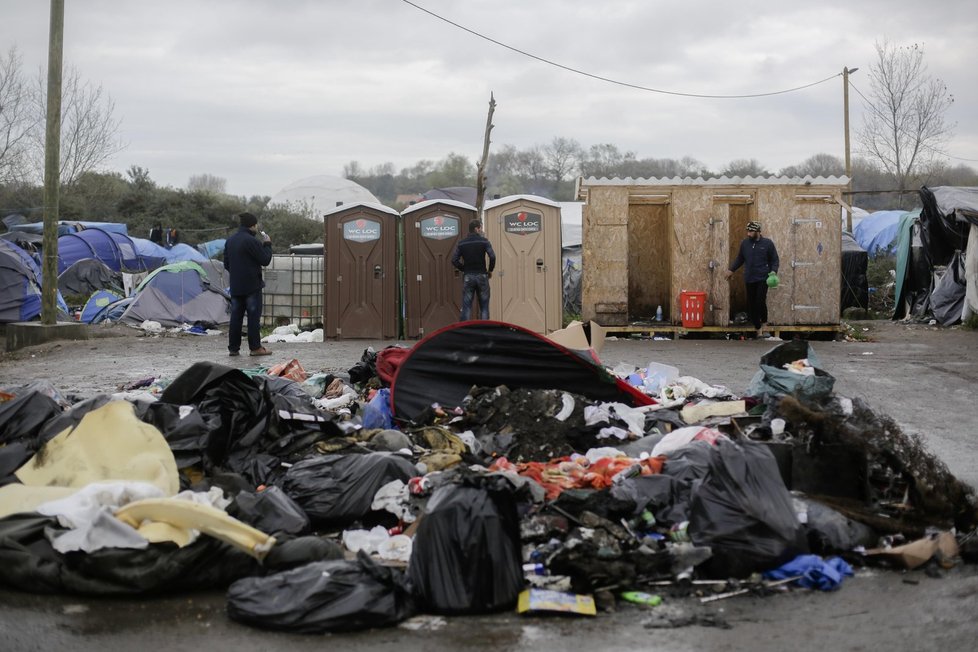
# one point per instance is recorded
(187, 515)
(109, 443)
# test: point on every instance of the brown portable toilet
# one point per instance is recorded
(526, 287)
(360, 296)
(432, 286)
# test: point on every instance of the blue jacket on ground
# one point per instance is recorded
(759, 257)
(244, 256)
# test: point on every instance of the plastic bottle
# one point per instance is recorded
(627, 472)
(658, 313)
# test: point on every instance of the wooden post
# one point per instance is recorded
(52, 166)
(480, 181)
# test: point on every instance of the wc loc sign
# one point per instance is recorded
(522, 223)
(361, 230)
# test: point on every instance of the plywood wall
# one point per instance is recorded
(706, 223)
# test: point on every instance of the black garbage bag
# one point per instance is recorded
(830, 532)
(271, 511)
(249, 416)
(325, 596)
(466, 557)
(339, 489)
(773, 379)
(290, 553)
(366, 369)
(744, 513)
(185, 429)
(28, 562)
(23, 416)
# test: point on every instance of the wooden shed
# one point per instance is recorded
(646, 241)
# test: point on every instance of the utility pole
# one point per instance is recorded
(52, 166)
(845, 117)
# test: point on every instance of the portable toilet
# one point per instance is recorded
(526, 286)
(432, 286)
(360, 296)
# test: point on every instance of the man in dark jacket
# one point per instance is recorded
(759, 257)
(244, 256)
(470, 258)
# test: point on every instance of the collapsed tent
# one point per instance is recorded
(931, 248)
(444, 366)
(20, 285)
(116, 250)
(178, 294)
(88, 275)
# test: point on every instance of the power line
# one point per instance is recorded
(908, 135)
(608, 79)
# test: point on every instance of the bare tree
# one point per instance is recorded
(903, 124)
(207, 183)
(561, 156)
(819, 165)
(15, 118)
(89, 128)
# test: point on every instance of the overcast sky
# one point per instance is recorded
(263, 93)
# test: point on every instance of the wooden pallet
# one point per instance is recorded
(675, 330)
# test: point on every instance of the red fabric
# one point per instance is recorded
(564, 473)
(291, 370)
(388, 360)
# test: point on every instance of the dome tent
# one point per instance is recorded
(178, 294)
(20, 285)
(315, 196)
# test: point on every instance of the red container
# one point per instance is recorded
(692, 305)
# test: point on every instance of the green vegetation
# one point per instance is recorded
(881, 277)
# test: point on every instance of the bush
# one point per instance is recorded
(881, 278)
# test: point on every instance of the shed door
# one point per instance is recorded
(649, 261)
(434, 287)
(522, 264)
(365, 281)
(814, 263)
(738, 215)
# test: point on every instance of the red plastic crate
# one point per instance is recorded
(692, 305)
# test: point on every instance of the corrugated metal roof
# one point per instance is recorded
(718, 181)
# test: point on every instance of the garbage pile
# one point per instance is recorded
(490, 469)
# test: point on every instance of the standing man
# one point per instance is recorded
(245, 253)
(759, 257)
(470, 258)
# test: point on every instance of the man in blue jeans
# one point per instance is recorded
(244, 256)
(470, 258)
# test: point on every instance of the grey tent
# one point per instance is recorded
(176, 294)
(88, 275)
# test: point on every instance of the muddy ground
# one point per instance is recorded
(924, 377)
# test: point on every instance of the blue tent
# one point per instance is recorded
(181, 252)
(178, 293)
(212, 248)
(66, 226)
(97, 303)
(116, 250)
(151, 254)
(877, 232)
(20, 285)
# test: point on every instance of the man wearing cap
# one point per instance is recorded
(245, 253)
(759, 258)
